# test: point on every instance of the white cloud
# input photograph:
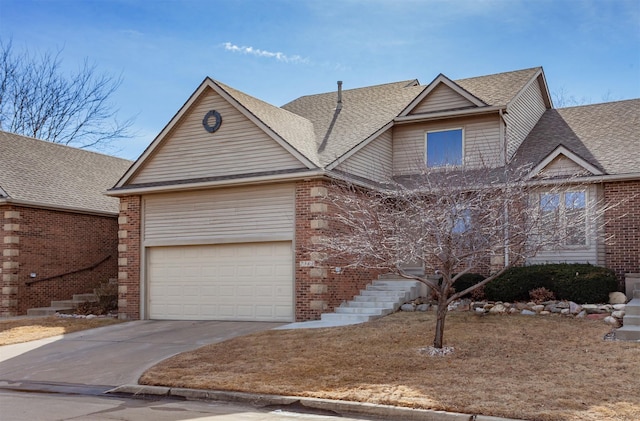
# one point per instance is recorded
(263, 53)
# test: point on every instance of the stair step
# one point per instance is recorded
(628, 333)
(631, 320)
(85, 297)
(47, 311)
(370, 311)
(336, 317)
(66, 303)
(369, 304)
(633, 307)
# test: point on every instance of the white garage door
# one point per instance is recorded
(248, 281)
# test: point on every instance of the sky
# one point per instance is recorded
(279, 50)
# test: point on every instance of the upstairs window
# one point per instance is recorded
(444, 148)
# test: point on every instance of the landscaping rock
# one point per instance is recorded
(574, 308)
(479, 310)
(422, 307)
(498, 309)
(408, 307)
(619, 306)
(537, 308)
(618, 314)
(612, 321)
(564, 311)
(526, 312)
(545, 313)
(617, 298)
(582, 314)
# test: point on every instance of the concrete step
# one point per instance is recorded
(628, 333)
(66, 303)
(395, 293)
(341, 318)
(631, 320)
(636, 294)
(364, 310)
(48, 311)
(370, 304)
(92, 298)
(633, 307)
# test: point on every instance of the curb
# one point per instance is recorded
(387, 412)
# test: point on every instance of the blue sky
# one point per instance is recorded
(278, 50)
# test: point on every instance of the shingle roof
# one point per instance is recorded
(54, 175)
(364, 111)
(500, 88)
(605, 135)
(294, 129)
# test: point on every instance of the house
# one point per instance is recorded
(219, 215)
(59, 230)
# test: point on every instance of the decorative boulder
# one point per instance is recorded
(617, 298)
(408, 307)
(422, 307)
(612, 321)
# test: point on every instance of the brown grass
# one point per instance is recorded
(537, 368)
(16, 331)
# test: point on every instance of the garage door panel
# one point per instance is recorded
(252, 281)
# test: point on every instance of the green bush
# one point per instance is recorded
(581, 283)
(467, 280)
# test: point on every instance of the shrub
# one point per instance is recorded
(467, 280)
(540, 295)
(582, 283)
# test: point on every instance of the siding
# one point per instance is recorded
(592, 252)
(481, 142)
(522, 115)
(256, 213)
(563, 166)
(442, 98)
(374, 161)
(238, 147)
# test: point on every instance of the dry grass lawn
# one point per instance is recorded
(16, 331)
(535, 368)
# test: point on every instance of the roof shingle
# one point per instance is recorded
(54, 175)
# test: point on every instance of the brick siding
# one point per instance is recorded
(623, 227)
(129, 258)
(51, 244)
(319, 289)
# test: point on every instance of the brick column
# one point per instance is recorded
(10, 265)
(129, 258)
(623, 228)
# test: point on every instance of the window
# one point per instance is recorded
(564, 217)
(444, 148)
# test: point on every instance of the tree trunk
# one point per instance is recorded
(441, 313)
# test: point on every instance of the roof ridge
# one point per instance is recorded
(408, 83)
(498, 74)
(595, 104)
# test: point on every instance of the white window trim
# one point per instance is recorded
(426, 136)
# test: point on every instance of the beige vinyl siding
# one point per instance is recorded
(592, 252)
(442, 98)
(374, 161)
(237, 147)
(256, 213)
(481, 142)
(563, 166)
(522, 115)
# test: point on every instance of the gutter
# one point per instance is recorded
(262, 179)
(46, 206)
(590, 179)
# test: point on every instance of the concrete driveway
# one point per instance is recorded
(112, 355)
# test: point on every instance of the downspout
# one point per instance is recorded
(503, 129)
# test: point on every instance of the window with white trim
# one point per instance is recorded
(564, 217)
(444, 148)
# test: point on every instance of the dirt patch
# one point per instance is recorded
(16, 331)
(542, 368)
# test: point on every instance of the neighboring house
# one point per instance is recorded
(59, 230)
(219, 215)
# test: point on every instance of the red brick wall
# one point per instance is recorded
(623, 226)
(319, 289)
(50, 244)
(129, 258)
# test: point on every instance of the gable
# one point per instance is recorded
(561, 166)
(441, 98)
(190, 152)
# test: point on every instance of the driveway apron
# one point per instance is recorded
(113, 355)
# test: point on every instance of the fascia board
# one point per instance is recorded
(447, 114)
(46, 206)
(561, 150)
(218, 183)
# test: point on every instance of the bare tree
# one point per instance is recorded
(38, 99)
(455, 221)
